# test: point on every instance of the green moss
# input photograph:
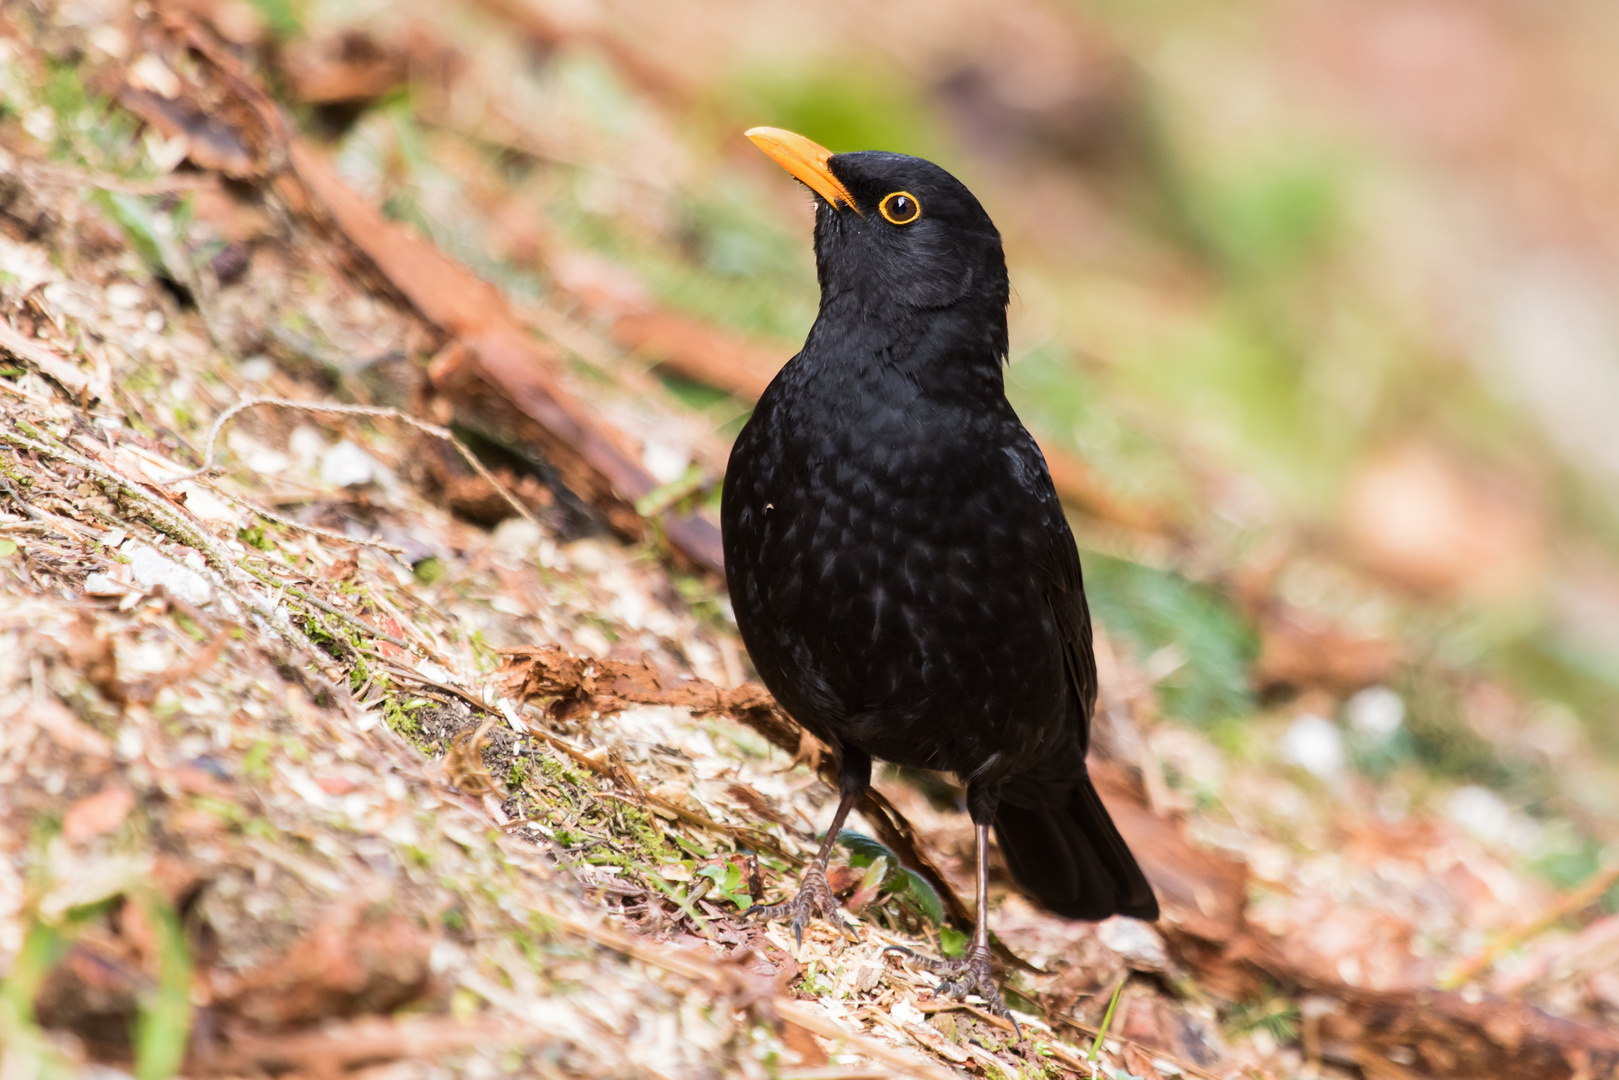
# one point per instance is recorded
(261, 829)
(256, 762)
(1274, 1013)
(400, 714)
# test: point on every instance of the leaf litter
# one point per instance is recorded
(306, 774)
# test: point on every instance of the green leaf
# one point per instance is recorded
(153, 234)
(163, 1025)
(910, 888)
(282, 16)
(952, 942)
(921, 897)
(1107, 1020)
(27, 1051)
(41, 949)
(728, 885)
(7, 548)
(876, 873)
(863, 850)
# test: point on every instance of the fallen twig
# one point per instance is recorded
(313, 530)
(345, 1045)
(337, 613)
(379, 411)
(1582, 897)
(50, 363)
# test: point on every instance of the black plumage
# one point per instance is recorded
(901, 569)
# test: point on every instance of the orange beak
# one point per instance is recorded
(805, 160)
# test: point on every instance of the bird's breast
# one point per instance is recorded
(882, 566)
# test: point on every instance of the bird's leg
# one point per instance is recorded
(814, 897)
(971, 974)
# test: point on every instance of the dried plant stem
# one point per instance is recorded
(337, 613)
(1582, 897)
(378, 411)
(313, 530)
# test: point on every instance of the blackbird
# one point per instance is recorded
(902, 573)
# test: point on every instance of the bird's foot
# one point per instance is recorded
(813, 899)
(969, 975)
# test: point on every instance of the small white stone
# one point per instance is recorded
(100, 584)
(1480, 811)
(40, 123)
(517, 538)
(152, 569)
(630, 608)
(507, 606)
(268, 462)
(1139, 944)
(110, 40)
(210, 507)
(123, 296)
(346, 465)
(1376, 711)
(165, 154)
(150, 73)
(665, 461)
(130, 745)
(256, 369)
(904, 1012)
(1315, 744)
(306, 444)
(28, 264)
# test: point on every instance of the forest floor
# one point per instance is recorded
(324, 752)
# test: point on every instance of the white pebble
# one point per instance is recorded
(124, 296)
(346, 465)
(517, 538)
(1376, 711)
(1138, 943)
(1315, 744)
(256, 369)
(1480, 811)
(152, 569)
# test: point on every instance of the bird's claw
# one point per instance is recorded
(969, 975)
(813, 899)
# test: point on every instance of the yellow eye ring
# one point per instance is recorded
(900, 208)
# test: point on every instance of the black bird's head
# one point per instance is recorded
(897, 235)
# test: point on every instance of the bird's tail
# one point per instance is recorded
(1071, 859)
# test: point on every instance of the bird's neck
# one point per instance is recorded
(957, 349)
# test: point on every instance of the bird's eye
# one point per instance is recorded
(900, 208)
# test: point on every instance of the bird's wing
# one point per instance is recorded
(1058, 566)
(1066, 592)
